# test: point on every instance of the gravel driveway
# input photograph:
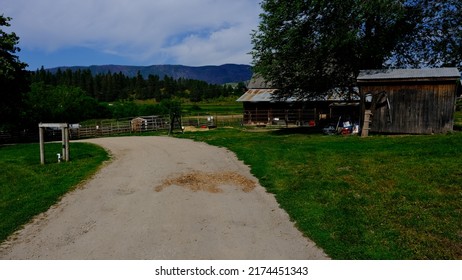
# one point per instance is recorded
(149, 202)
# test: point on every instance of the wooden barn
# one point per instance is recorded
(261, 109)
(408, 101)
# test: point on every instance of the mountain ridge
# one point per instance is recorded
(212, 74)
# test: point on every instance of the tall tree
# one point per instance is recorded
(306, 47)
(47, 103)
(437, 41)
(12, 78)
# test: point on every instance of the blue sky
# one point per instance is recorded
(132, 32)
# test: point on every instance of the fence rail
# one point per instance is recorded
(122, 126)
(151, 123)
(131, 125)
(212, 120)
(300, 117)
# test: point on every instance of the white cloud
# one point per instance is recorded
(219, 47)
(191, 32)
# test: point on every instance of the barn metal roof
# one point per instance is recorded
(260, 91)
(257, 95)
(408, 74)
(257, 81)
(265, 95)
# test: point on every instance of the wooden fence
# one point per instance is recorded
(122, 126)
(212, 120)
(150, 123)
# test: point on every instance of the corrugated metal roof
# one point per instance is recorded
(261, 91)
(399, 74)
(257, 95)
(258, 82)
(265, 95)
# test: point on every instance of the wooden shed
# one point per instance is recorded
(408, 101)
(138, 124)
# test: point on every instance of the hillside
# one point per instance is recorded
(227, 73)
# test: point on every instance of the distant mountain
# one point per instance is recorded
(227, 73)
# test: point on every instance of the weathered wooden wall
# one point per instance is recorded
(422, 108)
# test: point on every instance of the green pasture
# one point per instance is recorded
(28, 188)
(227, 108)
(382, 197)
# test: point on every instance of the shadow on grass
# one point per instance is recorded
(297, 130)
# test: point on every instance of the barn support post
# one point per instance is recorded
(256, 114)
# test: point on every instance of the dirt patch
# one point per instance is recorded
(195, 129)
(208, 182)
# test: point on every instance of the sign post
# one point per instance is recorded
(64, 137)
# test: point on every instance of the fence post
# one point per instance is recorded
(66, 142)
(42, 145)
(63, 141)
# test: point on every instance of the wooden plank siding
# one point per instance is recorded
(415, 108)
(418, 101)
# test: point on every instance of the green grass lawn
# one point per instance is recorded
(224, 108)
(28, 188)
(381, 197)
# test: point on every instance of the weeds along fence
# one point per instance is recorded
(212, 120)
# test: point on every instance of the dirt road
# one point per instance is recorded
(164, 198)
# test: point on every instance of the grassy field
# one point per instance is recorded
(219, 106)
(360, 198)
(382, 197)
(227, 108)
(28, 188)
